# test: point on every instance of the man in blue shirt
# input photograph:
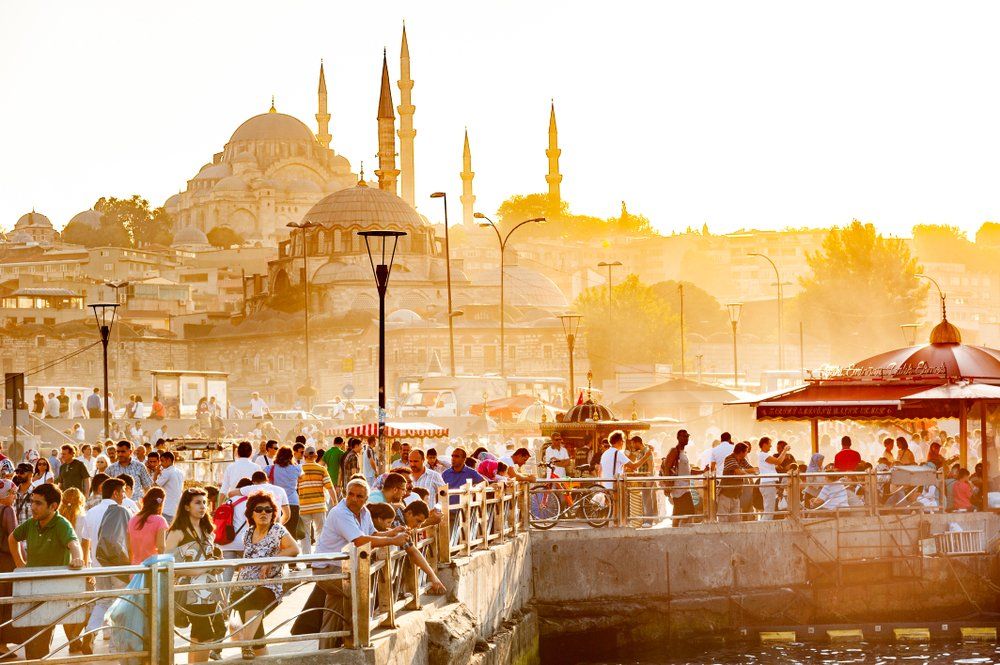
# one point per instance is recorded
(458, 474)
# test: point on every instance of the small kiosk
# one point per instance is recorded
(180, 390)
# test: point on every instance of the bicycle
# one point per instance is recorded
(589, 501)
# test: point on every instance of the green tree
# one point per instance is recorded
(988, 234)
(223, 236)
(108, 234)
(702, 312)
(861, 289)
(520, 207)
(143, 225)
(641, 332)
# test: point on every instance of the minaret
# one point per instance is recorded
(468, 198)
(387, 171)
(322, 117)
(406, 131)
(554, 177)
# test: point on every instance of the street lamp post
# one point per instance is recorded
(735, 309)
(117, 286)
(381, 273)
(680, 292)
(777, 278)
(609, 266)
(305, 226)
(104, 314)
(941, 294)
(447, 257)
(571, 324)
(503, 246)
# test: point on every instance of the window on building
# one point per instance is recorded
(547, 351)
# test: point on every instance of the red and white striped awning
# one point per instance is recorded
(396, 430)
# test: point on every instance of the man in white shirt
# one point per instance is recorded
(266, 459)
(614, 461)
(557, 455)
(258, 407)
(112, 494)
(347, 523)
(160, 433)
(52, 406)
(721, 452)
(171, 480)
(423, 477)
(77, 409)
(337, 409)
(241, 468)
(260, 484)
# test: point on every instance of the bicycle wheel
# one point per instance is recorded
(597, 505)
(544, 509)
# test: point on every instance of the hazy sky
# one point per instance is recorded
(739, 114)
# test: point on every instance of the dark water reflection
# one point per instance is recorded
(875, 653)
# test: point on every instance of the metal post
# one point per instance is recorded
(680, 290)
(444, 528)
(736, 374)
(447, 257)
(963, 433)
(503, 359)
(105, 335)
(571, 342)
(802, 354)
(382, 281)
(814, 435)
(984, 454)
(777, 276)
(305, 295)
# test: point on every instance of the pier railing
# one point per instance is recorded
(644, 500)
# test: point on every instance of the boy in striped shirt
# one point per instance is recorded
(314, 486)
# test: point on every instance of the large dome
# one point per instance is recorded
(91, 218)
(33, 219)
(364, 207)
(272, 127)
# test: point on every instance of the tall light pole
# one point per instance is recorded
(941, 294)
(104, 314)
(735, 309)
(117, 286)
(503, 246)
(447, 257)
(680, 291)
(609, 266)
(571, 324)
(307, 390)
(777, 278)
(381, 273)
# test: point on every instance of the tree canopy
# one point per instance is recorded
(520, 207)
(702, 312)
(124, 223)
(642, 330)
(861, 289)
(223, 236)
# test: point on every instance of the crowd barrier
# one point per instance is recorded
(707, 498)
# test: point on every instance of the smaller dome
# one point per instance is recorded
(190, 235)
(173, 201)
(231, 184)
(334, 272)
(339, 164)
(213, 172)
(20, 238)
(33, 219)
(945, 333)
(91, 218)
(245, 158)
(407, 316)
(588, 411)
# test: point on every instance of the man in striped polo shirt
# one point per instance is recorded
(314, 486)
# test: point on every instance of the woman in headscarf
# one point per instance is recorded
(492, 470)
(814, 484)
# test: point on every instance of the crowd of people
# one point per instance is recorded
(121, 503)
(754, 484)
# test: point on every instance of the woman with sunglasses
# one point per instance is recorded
(43, 474)
(268, 538)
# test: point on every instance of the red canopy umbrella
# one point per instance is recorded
(504, 408)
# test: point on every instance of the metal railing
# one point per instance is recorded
(379, 584)
(372, 586)
(474, 518)
(676, 500)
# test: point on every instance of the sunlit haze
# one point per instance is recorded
(741, 115)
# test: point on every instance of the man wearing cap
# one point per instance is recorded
(314, 487)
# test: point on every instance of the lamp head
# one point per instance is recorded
(479, 215)
(437, 195)
(735, 309)
(104, 313)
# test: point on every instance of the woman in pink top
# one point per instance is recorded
(147, 531)
(962, 491)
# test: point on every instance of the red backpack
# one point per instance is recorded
(223, 518)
